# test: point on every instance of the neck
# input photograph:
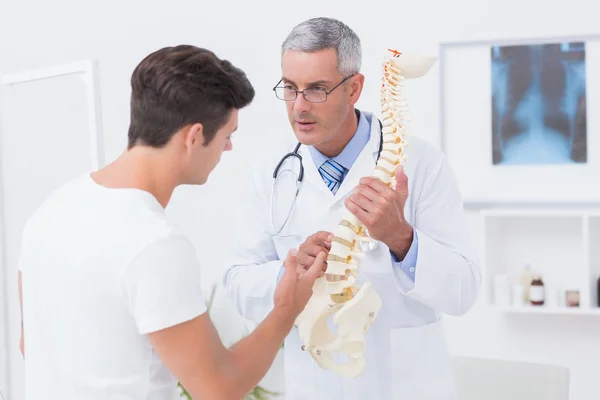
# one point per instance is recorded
(337, 143)
(142, 168)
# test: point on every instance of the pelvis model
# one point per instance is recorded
(353, 307)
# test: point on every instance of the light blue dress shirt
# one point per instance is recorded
(347, 158)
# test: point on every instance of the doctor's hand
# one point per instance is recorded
(312, 246)
(296, 285)
(381, 209)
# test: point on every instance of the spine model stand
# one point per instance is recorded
(354, 307)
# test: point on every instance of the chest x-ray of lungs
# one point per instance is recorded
(539, 104)
(50, 132)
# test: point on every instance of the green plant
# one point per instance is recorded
(258, 393)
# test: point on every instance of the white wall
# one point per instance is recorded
(40, 33)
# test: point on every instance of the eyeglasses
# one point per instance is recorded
(313, 95)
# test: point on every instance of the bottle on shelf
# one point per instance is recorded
(572, 298)
(526, 278)
(536, 291)
(518, 295)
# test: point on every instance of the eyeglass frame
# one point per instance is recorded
(327, 93)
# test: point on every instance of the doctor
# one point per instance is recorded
(423, 265)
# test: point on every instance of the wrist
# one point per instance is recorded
(284, 315)
(401, 240)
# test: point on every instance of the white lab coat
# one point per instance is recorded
(406, 354)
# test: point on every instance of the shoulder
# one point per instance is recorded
(57, 199)
(172, 245)
(163, 248)
(152, 228)
(428, 170)
(422, 155)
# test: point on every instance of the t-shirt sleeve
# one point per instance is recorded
(162, 285)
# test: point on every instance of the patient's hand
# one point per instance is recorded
(313, 245)
(295, 287)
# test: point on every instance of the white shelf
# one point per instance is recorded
(541, 212)
(557, 242)
(546, 310)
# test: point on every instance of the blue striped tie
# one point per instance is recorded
(332, 173)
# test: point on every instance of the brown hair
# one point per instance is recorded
(177, 86)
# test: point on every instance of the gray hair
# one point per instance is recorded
(327, 33)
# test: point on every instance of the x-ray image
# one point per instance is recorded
(539, 104)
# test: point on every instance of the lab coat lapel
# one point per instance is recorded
(364, 164)
(311, 173)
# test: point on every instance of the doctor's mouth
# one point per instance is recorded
(305, 125)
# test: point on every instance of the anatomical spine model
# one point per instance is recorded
(355, 307)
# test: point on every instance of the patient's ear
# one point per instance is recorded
(193, 136)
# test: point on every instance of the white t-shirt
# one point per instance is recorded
(101, 268)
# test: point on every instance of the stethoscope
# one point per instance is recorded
(299, 180)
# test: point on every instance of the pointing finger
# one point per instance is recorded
(317, 269)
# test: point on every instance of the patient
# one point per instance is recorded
(110, 291)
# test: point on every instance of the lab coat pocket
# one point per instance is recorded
(421, 367)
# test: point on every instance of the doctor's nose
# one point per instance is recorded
(301, 104)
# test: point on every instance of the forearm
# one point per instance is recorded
(447, 279)
(252, 262)
(194, 353)
(447, 275)
(251, 357)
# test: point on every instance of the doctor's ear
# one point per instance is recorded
(356, 86)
